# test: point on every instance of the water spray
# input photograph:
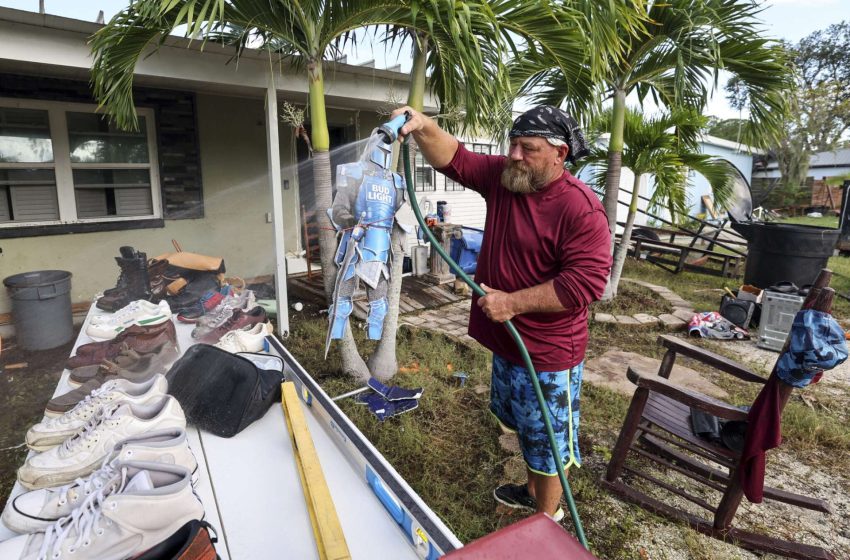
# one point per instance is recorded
(390, 132)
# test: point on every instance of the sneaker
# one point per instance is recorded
(142, 506)
(53, 431)
(238, 320)
(141, 313)
(81, 454)
(36, 510)
(208, 302)
(248, 339)
(129, 364)
(517, 496)
(244, 301)
(141, 339)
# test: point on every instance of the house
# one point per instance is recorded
(211, 167)
(828, 173)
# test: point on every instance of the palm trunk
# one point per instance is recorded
(615, 162)
(383, 363)
(623, 248)
(352, 362)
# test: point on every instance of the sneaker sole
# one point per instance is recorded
(50, 480)
(513, 505)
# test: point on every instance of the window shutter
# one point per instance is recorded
(34, 204)
(5, 215)
(133, 202)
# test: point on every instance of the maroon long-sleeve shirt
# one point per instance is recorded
(560, 233)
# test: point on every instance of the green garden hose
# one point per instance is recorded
(411, 193)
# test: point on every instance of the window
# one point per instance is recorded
(451, 185)
(64, 163)
(424, 179)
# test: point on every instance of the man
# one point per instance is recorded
(545, 257)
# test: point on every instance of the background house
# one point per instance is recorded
(818, 193)
(73, 189)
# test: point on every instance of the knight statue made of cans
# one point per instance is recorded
(368, 196)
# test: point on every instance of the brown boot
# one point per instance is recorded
(143, 340)
(158, 279)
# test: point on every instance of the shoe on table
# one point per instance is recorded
(207, 303)
(149, 502)
(53, 431)
(141, 313)
(248, 339)
(244, 301)
(141, 339)
(191, 542)
(129, 364)
(36, 510)
(238, 320)
(82, 453)
(517, 496)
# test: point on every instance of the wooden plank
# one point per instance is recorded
(330, 539)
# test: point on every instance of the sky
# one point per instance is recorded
(786, 19)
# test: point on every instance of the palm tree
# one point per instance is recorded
(306, 32)
(489, 30)
(665, 147)
(683, 48)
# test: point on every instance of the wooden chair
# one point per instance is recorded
(310, 226)
(657, 428)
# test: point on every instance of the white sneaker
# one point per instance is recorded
(53, 431)
(222, 312)
(140, 312)
(149, 502)
(81, 454)
(249, 339)
(36, 510)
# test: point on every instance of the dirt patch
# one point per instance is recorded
(609, 371)
(23, 393)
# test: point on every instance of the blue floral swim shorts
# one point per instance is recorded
(514, 402)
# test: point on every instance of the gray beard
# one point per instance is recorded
(521, 180)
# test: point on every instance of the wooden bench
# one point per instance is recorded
(675, 258)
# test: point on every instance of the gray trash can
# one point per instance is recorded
(41, 308)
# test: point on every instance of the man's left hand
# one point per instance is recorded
(496, 305)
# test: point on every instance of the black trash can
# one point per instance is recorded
(41, 308)
(785, 252)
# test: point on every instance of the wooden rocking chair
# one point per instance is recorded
(657, 427)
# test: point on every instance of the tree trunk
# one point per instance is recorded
(383, 363)
(615, 162)
(352, 362)
(623, 249)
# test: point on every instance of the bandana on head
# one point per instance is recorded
(551, 122)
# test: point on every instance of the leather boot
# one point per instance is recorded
(125, 262)
(137, 285)
(158, 279)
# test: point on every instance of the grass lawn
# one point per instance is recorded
(826, 221)
(449, 448)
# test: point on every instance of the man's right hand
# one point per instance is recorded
(436, 145)
(415, 121)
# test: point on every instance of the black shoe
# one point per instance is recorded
(517, 496)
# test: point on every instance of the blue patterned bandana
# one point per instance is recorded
(817, 343)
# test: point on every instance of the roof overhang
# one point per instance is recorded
(47, 45)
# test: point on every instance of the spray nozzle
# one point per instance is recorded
(389, 130)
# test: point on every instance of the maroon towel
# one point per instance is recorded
(764, 432)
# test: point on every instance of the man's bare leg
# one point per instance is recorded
(546, 490)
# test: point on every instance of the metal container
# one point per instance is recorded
(777, 316)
